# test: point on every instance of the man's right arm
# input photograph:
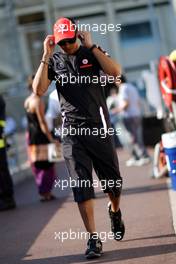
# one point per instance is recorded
(41, 81)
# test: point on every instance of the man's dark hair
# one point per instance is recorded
(109, 88)
(123, 78)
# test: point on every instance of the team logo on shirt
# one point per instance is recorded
(85, 61)
(85, 64)
(60, 65)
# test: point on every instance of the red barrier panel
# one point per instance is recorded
(167, 79)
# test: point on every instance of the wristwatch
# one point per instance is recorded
(93, 46)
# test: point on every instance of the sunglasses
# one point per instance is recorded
(69, 41)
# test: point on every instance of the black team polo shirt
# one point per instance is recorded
(80, 100)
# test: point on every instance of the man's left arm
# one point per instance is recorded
(124, 105)
(108, 65)
(124, 100)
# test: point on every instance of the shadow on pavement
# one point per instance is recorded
(138, 190)
(110, 256)
(21, 227)
(152, 237)
(145, 189)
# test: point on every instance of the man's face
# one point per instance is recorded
(69, 47)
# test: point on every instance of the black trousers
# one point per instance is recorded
(82, 153)
(6, 184)
(134, 127)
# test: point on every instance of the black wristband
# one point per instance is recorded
(93, 46)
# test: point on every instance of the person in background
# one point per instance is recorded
(10, 135)
(130, 109)
(6, 185)
(38, 138)
(113, 102)
(53, 113)
(11, 126)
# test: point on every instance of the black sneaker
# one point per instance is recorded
(117, 224)
(94, 247)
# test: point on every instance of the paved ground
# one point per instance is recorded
(27, 234)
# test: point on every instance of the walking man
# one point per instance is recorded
(83, 106)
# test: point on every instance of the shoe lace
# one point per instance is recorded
(93, 243)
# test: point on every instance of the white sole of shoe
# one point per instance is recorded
(92, 255)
